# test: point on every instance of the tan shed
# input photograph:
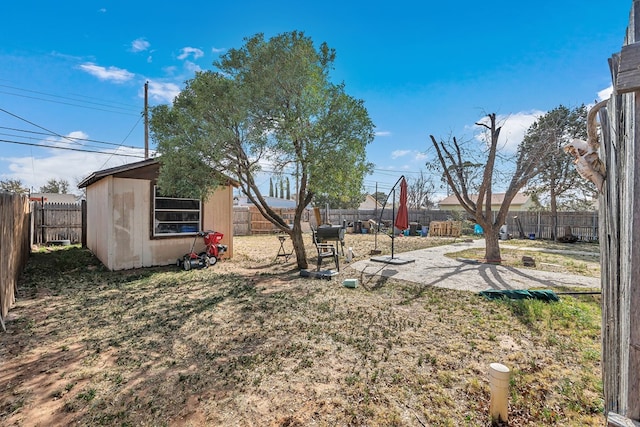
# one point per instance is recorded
(129, 224)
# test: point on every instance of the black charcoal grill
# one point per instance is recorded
(331, 233)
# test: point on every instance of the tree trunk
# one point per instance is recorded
(554, 213)
(298, 243)
(492, 244)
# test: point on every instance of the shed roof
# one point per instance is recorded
(146, 169)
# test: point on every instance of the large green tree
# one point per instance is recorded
(270, 102)
(338, 201)
(471, 179)
(558, 185)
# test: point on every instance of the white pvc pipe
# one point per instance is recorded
(499, 380)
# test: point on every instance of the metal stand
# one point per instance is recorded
(282, 252)
(392, 259)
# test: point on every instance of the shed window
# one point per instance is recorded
(175, 215)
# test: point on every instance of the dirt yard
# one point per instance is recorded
(248, 342)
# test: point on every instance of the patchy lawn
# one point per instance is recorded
(582, 259)
(248, 342)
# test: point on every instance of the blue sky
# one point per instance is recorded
(77, 69)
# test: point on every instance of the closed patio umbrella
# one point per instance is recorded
(402, 219)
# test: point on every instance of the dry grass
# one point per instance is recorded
(574, 258)
(248, 342)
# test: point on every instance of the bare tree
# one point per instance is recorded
(420, 192)
(474, 195)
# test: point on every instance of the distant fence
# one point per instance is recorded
(584, 225)
(54, 222)
(14, 247)
(420, 216)
(248, 220)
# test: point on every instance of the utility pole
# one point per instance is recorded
(146, 120)
(375, 198)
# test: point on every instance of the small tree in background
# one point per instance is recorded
(288, 189)
(420, 192)
(379, 196)
(59, 186)
(13, 186)
(558, 184)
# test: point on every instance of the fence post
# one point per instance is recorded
(83, 205)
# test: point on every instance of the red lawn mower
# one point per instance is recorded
(212, 253)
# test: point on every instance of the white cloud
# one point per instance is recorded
(102, 10)
(514, 127)
(71, 139)
(163, 92)
(140, 45)
(399, 153)
(216, 50)
(191, 67)
(383, 133)
(190, 51)
(114, 74)
(170, 71)
(605, 93)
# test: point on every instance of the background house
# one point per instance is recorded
(521, 202)
(273, 202)
(130, 225)
(53, 198)
(370, 203)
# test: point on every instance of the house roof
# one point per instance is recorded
(496, 199)
(273, 202)
(370, 200)
(146, 169)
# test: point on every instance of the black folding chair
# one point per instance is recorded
(325, 250)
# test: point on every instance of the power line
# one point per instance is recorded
(40, 139)
(103, 103)
(68, 137)
(125, 138)
(38, 126)
(67, 148)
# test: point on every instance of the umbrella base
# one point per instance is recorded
(394, 260)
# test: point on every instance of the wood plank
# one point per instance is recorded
(616, 420)
(628, 76)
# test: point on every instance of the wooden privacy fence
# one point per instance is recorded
(248, 220)
(539, 225)
(14, 247)
(584, 225)
(56, 222)
(620, 233)
(420, 216)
